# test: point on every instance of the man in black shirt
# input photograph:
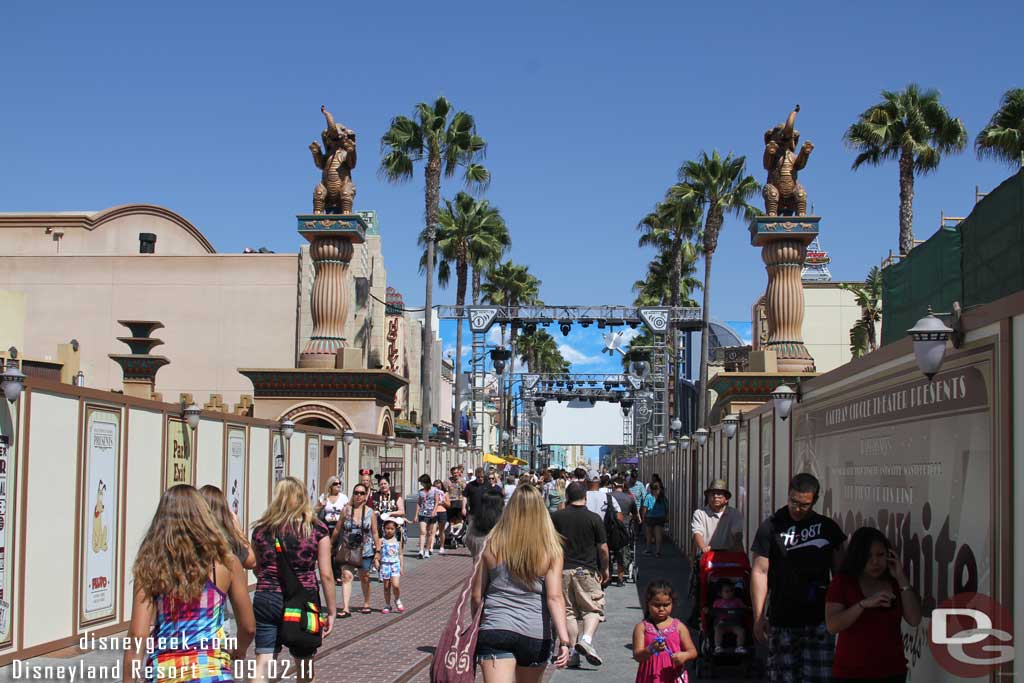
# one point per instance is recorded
(474, 492)
(585, 569)
(795, 551)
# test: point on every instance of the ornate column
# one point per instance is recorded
(332, 239)
(783, 241)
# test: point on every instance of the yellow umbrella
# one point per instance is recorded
(494, 459)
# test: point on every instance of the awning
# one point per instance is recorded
(495, 459)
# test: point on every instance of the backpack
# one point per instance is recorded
(613, 528)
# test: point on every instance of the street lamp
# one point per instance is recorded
(684, 441)
(13, 381)
(287, 428)
(677, 424)
(389, 441)
(784, 397)
(347, 437)
(930, 335)
(729, 425)
(191, 413)
(499, 357)
(701, 435)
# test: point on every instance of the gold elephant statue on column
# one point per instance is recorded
(783, 194)
(335, 192)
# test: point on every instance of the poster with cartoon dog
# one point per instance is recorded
(100, 517)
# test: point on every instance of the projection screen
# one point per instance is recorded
(578, 423)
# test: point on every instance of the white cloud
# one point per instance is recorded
(577, 358)
(629, 334)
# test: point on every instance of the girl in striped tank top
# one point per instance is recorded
(185, 573)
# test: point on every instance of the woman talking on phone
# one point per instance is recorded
(865, 604)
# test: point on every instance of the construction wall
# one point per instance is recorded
(80, 479)
(930, 463)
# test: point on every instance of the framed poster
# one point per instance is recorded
(278, 466)
(179, 454)
(740, 483)
(100, 517)
(313, 467)
(767, 480)
(7, 508)
(234, 475)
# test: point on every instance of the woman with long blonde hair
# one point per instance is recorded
(184, 574)
(307, 548)
(519, 583)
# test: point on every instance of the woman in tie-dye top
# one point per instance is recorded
(184, 574)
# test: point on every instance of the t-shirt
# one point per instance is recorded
(455, 489)
(626, 503)
(583, 531)
(302, 553)
(800, 565)
(331, 512)
(428, 501)
(597, 503)
(657, 508)
(385, 503)
(638, 490)
(872, 647)
(507, 492)
(718, 529)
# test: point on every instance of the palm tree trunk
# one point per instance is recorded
(705, 332)
(906, 201)
(460, 301)
(476, 284)
(432, 194)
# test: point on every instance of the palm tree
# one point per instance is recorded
(471, 232)
(669, 228)
(719, 186)
(869, 298)
(656, 288)
(539, 351)
(445, 144)
(1003, 137)
(509, 284)
(912, 127)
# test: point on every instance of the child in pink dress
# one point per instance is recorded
(729, 600)
(661, 643)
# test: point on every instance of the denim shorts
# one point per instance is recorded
(268, 608)
(424, 519)
(495, 644)
(441, 518)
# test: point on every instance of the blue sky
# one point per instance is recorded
(589, 108)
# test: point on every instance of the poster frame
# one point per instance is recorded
(189, 444)
(85, 513)
(230, 428)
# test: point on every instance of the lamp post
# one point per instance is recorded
(930, 335)
(701, 435)
(729, 424)
(419, 454)
(13, 381)
(347, 437)
(783, 398)
(191, 415)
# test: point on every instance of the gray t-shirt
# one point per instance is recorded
(719, 530)
(511, 606)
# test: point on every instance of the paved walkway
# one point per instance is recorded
(397, 648)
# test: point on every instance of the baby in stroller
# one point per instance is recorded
(455, 532)
(728, 610)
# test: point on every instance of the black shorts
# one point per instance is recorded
(654, 521)
(441, 518)
(508, 645)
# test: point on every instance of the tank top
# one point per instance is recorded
(511, 606)
(189, 633)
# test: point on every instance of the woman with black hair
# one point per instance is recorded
(492, 504)
(865, 603)
(654, 515)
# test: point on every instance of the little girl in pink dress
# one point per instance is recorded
(661, 644)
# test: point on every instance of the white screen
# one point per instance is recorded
(580, 424)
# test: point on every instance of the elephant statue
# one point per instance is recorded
(335, 192)
(783, 195)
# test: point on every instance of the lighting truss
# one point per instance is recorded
(658, 318)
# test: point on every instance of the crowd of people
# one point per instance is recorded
(547, 546)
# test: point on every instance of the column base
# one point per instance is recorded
(791, 356)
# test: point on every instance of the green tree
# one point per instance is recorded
(718, 186)
(656, 288)
(471, 232)
(540, 352)
(445, 140)
(1003, 137)
(869, 297)
(912, 127)
(669, 229)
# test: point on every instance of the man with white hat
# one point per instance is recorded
(716, 526)
(597, 501)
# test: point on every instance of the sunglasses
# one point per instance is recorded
(359, 493)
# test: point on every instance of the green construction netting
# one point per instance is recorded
(929, 276)
(993, 244)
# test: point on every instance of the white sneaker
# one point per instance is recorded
(441, 551)
(426, 554)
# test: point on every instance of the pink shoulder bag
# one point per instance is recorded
(455, 656)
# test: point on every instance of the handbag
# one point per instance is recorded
(346, 555)
(455, 656)
(300, 624)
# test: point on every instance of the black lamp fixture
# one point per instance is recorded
(627, 404)
(499, 357)
(529, 328)
(539, 404)
(565, 327)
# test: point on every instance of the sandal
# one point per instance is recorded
(344, 614)
(366, 610)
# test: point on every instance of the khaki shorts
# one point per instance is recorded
(583, 593)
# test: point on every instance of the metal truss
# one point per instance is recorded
(657, 318)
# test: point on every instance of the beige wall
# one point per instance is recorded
(220, 313)
(829, 313)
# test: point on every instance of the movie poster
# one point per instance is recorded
(740, 485)
(915, 459)
(234, 479)
(277, 463)
(100, 517)
(6, 522)
(179, 453)
(313, 467)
